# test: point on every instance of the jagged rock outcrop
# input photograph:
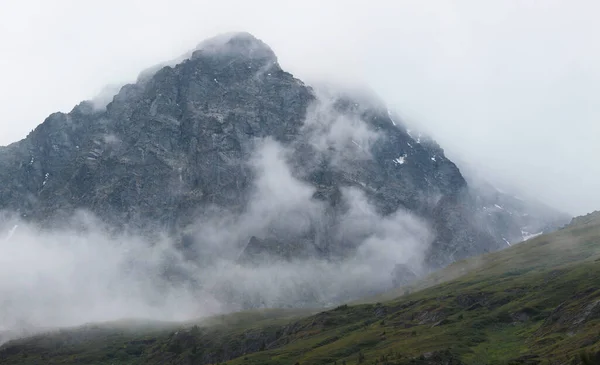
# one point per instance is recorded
(179, 143)
(586, 219)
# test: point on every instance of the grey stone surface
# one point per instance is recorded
(179, 140)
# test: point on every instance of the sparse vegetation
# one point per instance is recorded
(534, 303)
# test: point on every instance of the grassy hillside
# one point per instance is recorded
(534, 303)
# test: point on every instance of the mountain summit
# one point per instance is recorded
(239, 159)
(239, 44)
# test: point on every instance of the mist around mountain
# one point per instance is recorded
(511, 214)
(219, 182)
(533, 303)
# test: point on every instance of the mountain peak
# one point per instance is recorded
(240, 44)
(190, 137)
(233, 45)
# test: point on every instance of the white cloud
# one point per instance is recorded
(81, 272)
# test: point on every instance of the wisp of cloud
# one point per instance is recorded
(84, 271)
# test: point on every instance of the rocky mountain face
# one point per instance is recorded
(288, 170)
(512, 218)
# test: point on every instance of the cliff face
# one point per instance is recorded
(196, 137)
(172, 141)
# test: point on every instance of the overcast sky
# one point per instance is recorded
(510, 86)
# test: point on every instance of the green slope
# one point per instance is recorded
(534, 303)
